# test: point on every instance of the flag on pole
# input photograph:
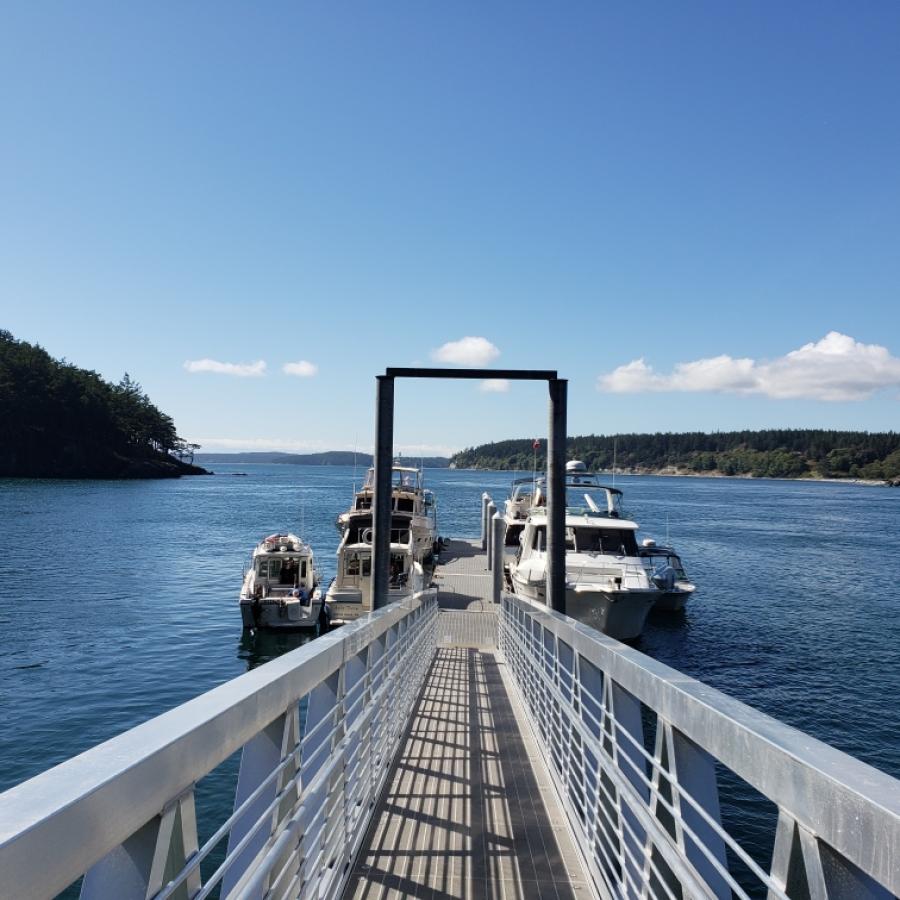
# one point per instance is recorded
(537, 444)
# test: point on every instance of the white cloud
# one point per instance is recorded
(302, 369)
(243, 370)
(467, 351)
(494, 385)
(836, 368)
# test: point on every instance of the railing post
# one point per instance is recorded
(556, 497)
(381, 506)
(498, 533)
(258, 758)
(151, 857)
(485, 499)
(491, 510)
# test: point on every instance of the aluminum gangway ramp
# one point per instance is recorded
(469, 810)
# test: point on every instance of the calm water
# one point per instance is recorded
(118, 599)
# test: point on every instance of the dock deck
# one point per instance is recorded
(468, 809)
(462, 578)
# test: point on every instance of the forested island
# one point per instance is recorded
(772, 453)
(61, 421)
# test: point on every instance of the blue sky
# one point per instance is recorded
(709, 188)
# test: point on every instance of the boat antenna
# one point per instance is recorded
(615, 451)
(667, 529)
(355, 448)
(535, 446)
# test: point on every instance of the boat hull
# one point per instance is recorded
(618, 614)
(673, 601)
(280, 613)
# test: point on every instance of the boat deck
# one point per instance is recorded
(468, 810)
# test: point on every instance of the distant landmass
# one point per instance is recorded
(328, 458)
(60, 421)
(773, 453)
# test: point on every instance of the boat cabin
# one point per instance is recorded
(587, 538)
(280, 565)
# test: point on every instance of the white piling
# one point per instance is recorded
(489, 511)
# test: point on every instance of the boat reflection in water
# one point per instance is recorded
(258, 647)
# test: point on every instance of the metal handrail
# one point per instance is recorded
(632, 811)
(88, 806)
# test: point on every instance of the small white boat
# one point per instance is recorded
(667, 571)
(281, 588)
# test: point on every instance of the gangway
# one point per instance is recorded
(495, 749)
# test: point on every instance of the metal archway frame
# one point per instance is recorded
(556, 464)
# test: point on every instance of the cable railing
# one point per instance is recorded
(639, 752)
(317, 729)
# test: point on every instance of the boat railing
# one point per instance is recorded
(655, 769)
(317, 730)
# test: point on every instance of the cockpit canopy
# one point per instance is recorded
(283, 569)
(404, 478)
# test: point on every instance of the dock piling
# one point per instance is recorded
(498, 534)
(491, 512)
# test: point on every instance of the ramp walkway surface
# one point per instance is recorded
(468, 810)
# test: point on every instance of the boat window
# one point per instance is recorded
(405, 504)
(367, 566)
(587, 540)
(570, 539)
(303, 569)
(618, 541)
(364, 502)
(352, 564)
(539, 538)
(406, 479)
(269, 568)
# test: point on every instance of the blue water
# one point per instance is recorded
(118, 600)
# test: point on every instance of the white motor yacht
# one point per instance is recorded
(281, 588)
(607, 583)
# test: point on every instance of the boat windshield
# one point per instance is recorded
(660, 558)
(616, 541)
(523, 492)
(402, 478)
